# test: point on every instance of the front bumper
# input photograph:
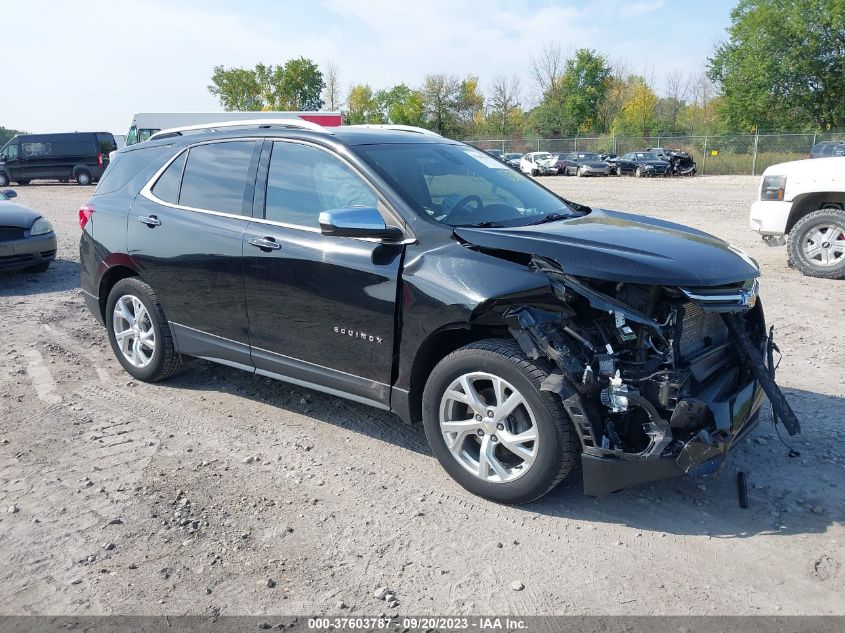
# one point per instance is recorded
(770, 217)
(735, 417)
(27, 252)
(595, 171)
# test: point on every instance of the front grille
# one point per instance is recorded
(9, 233)
(700, 330)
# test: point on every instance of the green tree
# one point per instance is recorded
(584, 85)
(638, 112)
(236, 89)
(402, 105)
(296, 85)
(469, 106)
(362, 106)
(440, 97)
(783, 65)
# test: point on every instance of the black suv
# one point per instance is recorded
(422, 276)
(81, 156)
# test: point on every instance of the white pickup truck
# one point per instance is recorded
(802, 203)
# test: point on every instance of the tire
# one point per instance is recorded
(38, 268)
(639, 172)
(618, 170)
(83, 177)
(579, 173)
(554, 451)
(24, 183)
(809, 246)
(164, 359)
(4, 179)
(534, 172)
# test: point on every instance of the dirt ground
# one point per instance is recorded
(217, 492)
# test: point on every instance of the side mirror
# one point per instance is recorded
(10, 193)
(357, 222)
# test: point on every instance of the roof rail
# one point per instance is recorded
(397, 127)
(301, 124)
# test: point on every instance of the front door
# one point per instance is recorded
(322, 309)
(185, 233)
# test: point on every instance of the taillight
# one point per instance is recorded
(85, 213)
(100, 159)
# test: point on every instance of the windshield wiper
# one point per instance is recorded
(486, 224)
(551, 217)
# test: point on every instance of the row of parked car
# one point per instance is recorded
(656, 161)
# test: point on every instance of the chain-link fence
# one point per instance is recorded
(714, 154)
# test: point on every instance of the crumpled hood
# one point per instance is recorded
(618, 246)
(13, 214)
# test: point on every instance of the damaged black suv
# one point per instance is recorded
(422, 276)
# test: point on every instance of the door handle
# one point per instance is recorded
(266, 244)
(150, 220)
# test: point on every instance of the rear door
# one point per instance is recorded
(185, 233)
(322, 309)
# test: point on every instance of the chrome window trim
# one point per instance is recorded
(147, 191)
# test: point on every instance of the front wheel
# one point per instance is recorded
(579, 173)
(138, 331)
(816, 244)
(492, 428)
(618, 171)
(639, 172)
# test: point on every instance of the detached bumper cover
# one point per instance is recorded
(735, 418)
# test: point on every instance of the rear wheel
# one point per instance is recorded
(4, 179)
(816, 244)
(23, 183)
(83, 177)
(492, 428)
(138, 331)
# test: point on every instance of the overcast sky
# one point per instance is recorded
(90, 66)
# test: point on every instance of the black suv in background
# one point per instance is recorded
(826, 149)
(422, 276)
(81, 156)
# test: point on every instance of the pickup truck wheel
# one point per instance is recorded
(138, 331)
(492, 428)
(816, 244)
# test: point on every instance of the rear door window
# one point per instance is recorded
(106, 143)
(216, 177)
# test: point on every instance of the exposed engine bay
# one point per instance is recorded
(659, 381)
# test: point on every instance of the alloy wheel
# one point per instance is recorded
(133, 330)
(824, 245)
(489, 427)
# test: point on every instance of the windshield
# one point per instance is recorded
(461, 186)
(588, 157)
(542, 156)
(647, 156)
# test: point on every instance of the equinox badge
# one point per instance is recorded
(358, 335)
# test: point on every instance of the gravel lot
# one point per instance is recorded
(217, 492)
